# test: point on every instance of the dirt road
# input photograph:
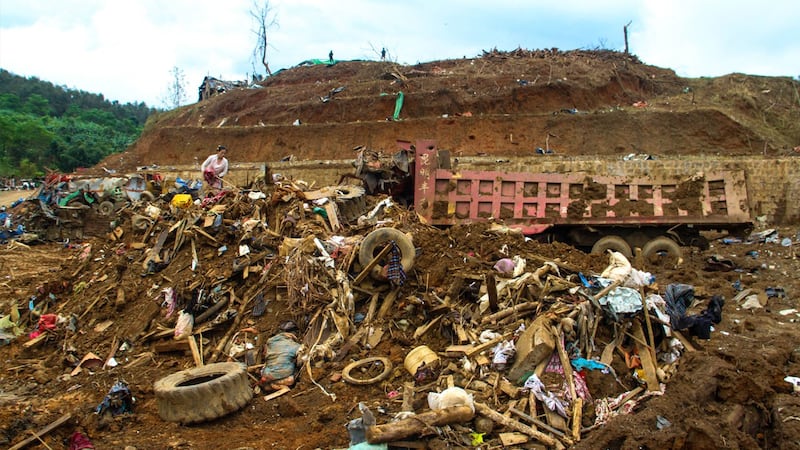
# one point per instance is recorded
(9, 197)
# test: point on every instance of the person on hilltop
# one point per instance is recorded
(330, 56)
(215, 167)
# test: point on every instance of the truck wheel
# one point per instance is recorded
(374, 243)
(203, 393)
(147, 196)
(106, 208)
(662, 251)
(612, 242)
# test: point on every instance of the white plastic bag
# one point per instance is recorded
(183, 327)
(454, 396)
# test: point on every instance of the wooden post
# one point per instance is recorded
(491, 290)
(394, 431)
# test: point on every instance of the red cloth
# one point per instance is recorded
(209, 176)
(46, 322)
(79, 442)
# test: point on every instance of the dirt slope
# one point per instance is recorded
(507, 103)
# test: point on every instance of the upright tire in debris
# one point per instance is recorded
(106, 208)
(351, 202)
(662, 251)
(203, 393)
(376, 241)
(612, 242)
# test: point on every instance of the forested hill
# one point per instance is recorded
(44, 126)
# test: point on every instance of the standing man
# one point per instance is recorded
(330, 56)
(215, 167)
(383, 54)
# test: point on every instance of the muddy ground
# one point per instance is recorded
(727, 393)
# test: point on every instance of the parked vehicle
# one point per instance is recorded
(591, 211)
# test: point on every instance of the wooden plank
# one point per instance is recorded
(35, 340)
(373, 306)
(364, 272)
(648, 364)
(198, 358)
(374, 338)
(485, 411)
(421, 330)
(686, 343)
(277, 393)
(333, 218)
(38, 434)
(513, 438)
(386, 306)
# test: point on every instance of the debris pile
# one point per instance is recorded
(470, 335)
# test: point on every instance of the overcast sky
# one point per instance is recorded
(126, 49)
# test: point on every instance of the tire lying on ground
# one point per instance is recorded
(374, 242)
(203, 393)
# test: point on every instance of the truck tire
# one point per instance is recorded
(662, 251)
(147, 196)
(106, 208)
(374, 243)
(203, 393)
(612, 242)
(350, 202)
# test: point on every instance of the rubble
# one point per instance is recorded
(546, 350)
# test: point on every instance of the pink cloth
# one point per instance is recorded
(79, 442)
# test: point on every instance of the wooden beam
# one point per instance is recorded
(36, 435)
(515, 425)
(416, 425)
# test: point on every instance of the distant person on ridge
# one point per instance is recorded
(383, 54)
(330, 56)
(215, 167)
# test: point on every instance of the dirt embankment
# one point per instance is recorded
(502, 103)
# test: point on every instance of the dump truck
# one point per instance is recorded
(593, 212)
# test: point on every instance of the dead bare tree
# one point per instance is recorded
(176, 90)
(265, 20)
(625, 32)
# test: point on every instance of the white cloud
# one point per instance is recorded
(127, 49)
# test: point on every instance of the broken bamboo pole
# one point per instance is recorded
(492, 318)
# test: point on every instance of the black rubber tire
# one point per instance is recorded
(374, 243)
(612, 242)
(350, 202)
(203, 393)
(147, 196)
(387, 370)
(662, 251)
(140, 223)
(349, 191)
(106, 208)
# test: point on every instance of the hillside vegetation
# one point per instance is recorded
(44, 126)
